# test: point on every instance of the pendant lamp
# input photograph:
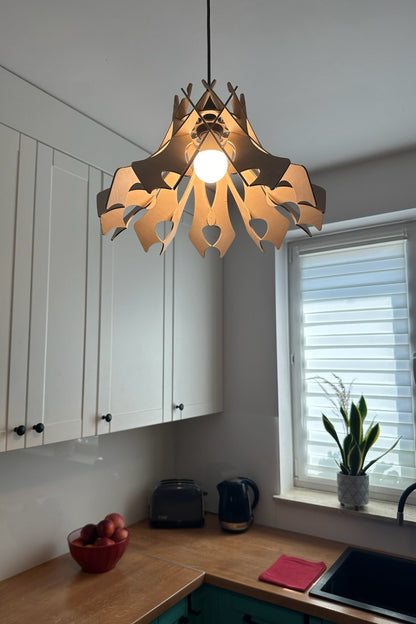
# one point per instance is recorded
(209, 160)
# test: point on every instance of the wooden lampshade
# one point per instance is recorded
(262, 186)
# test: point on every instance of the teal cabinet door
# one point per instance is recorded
(197, 604)
(213, 605)
(175, 615)
(232, 608)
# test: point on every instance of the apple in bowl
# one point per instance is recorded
(98, 547)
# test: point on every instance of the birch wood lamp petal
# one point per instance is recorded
(211, 157)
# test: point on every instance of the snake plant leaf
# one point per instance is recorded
(356, 424)
(380, 456)
(370, 426)
(355, 460)
(362, 406)
(331, 430)
(346, 447)
(345, 416)
(370, 438)
(343, 469)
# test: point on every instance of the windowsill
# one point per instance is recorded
(377, 510)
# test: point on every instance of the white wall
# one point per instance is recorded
(244, 440)
(385, 184)
(45, 492)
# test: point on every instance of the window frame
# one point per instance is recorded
(362, 230)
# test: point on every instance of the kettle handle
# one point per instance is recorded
(255, 489)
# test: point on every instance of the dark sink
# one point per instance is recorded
(373, 582)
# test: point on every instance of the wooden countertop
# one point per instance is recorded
(138, 589)
(162, 566)
(234, 562)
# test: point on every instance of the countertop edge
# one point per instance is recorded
(164, 606)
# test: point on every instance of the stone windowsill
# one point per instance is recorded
(380, 510)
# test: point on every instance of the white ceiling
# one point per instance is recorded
(326, 81)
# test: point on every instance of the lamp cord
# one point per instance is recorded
(209, 41)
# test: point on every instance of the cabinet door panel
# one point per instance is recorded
(174, 614)
(132, 335)
(19, 339)
(56, 362)
(90, 418)
(197, 328)
(235, 608)
(9, 153)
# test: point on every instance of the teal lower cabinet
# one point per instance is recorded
(187, 611)
(213, 605)
(178, 614)
(226, 607)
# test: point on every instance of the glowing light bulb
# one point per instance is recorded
(210, 165)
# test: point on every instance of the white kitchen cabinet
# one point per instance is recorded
(197, 328)
(50, 293)
(64, 243)
(161, 332)
(131, 333)
(89, 316)
(90, 327)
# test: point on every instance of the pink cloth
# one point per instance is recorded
(293, 572)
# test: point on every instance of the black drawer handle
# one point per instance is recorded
(39, 427)
(180, 406)
(20, 430)
(107, 417)
(191, 610)
(248, 619)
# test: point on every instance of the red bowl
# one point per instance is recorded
(96, 559)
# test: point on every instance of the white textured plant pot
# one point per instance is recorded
(353, 490)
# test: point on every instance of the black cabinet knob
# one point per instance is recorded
(180, 406)
(20, 430)
(39, 427)
(107, 417)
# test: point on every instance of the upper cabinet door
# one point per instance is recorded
(197, 328)
(131, 334)
(62, 244)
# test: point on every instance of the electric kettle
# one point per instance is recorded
(235, 511)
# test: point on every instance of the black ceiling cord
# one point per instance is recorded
(209, 41)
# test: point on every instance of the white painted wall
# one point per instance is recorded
(244, 440)
(385, 184)
(45, 492)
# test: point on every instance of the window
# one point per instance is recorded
(350, 311)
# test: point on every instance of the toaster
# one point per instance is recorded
(177, 503)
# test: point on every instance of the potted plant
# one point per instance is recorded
(352, 478)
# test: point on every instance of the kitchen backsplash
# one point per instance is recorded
(47, 491)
